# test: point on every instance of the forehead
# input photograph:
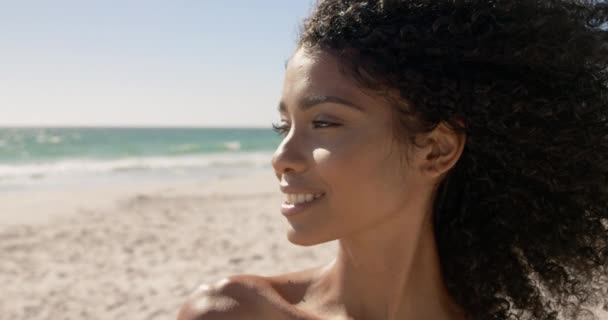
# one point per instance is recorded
(318, 73)
(310, 74)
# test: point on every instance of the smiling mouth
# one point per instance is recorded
(291, 199)
(290, 209)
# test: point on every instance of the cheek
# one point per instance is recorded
(362, 178)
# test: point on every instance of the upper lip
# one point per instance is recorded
(289, 189)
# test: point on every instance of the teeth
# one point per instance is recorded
(299, 198)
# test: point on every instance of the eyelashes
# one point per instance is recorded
(283, 129)
(280, 129)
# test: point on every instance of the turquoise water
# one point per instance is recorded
(35, 154)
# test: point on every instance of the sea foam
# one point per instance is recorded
(98, 166)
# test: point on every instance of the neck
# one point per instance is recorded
(388, 273)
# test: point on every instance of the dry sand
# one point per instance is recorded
(135, 253)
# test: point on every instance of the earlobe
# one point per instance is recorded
(434, 158)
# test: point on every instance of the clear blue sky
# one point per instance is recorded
(121, 62)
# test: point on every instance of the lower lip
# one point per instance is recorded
(288, 209)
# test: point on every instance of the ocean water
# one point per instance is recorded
(50, 157)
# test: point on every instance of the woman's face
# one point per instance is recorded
(338, 140)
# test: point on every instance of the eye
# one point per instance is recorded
(283, 129)
(280, 129)
(324, 124)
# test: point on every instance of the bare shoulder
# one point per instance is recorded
(228, 299)
(248, 297)
(292, 286)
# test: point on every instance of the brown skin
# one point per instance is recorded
(377, 206)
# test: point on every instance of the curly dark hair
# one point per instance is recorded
(522, 225)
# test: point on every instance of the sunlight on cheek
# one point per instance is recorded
(320, 154)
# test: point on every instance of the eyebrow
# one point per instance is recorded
(312, 101)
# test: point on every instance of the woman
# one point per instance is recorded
(458, 152)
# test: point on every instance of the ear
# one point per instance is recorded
(442, 148)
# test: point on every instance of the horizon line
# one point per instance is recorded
(143, 126)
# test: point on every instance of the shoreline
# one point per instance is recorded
(42, 204)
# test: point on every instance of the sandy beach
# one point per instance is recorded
(135, 252)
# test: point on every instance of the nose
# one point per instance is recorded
(289, 157)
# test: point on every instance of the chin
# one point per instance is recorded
(306, 239)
